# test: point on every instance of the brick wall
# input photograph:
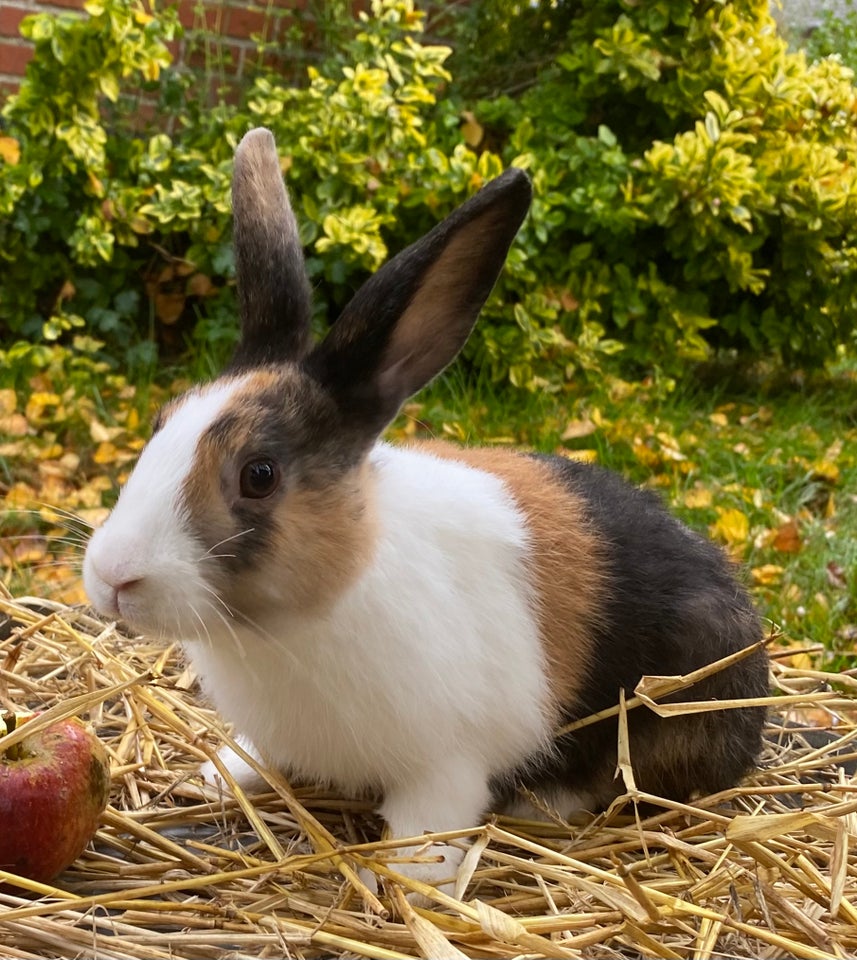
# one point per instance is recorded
(15, 52)
(220, 33)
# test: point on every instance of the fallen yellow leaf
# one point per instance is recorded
(19, 495)
(88, 496)
(51, 452)
(800, 661)
(582, 456)
(767, 574)
(69, 462)
(38, 403)
(132, 420)
(621, 389)
(825, 470)
(471, 129)
(94, 516)
(30, 551)
(578, 428)
(644, 453)
(454, 429)
(14, 425)
(698, 498)
(53, 490)
(834, 450)
(101, 433)
(105, 452)
(731, 525)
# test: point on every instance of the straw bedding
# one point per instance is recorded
(768, 869)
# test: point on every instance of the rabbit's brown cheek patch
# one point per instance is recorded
(566, 561)
(301, 550)
(314, 545)
(202, 496)
(325, 538)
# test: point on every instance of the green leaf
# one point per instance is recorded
(109, 84)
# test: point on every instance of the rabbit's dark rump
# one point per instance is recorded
(673, 605)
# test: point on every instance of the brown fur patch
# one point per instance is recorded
(567, 560)
(326, 538)
(201, 489)
(301, 547)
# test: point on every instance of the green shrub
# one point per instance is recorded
(127, 235)
(67, 228)
(695, 180)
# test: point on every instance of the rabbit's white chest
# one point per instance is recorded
(433, 651)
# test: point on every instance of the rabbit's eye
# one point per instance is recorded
(259, 478)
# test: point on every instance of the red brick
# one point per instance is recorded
(7, 87)
(72, 4)
(242, 22)
(222, 27)
(269, 25)
(289, 69)
(14, 57)
(212, 90)
(201, 16)
(10, 19)
(225, 92)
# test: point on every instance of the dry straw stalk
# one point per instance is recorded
(177, 870)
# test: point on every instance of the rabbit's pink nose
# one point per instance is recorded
(114, 600)
(124, 588)
(109, 587)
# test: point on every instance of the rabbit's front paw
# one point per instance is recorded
(449, 796)
(433, 864)
(240, 771)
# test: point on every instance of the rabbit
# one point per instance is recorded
(415, 622)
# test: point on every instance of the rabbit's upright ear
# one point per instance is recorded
(273, 289)
(413, 316)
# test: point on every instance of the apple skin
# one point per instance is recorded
(52, 794)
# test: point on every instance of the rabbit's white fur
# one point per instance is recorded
(313, 694)
(143, 543)
(400, 686)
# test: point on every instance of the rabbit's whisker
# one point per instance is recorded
(57, 514)
(212, 592)
(208, 555)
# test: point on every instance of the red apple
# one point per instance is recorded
(54, 786)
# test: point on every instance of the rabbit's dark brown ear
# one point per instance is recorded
(273, 289)
(413, 316)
